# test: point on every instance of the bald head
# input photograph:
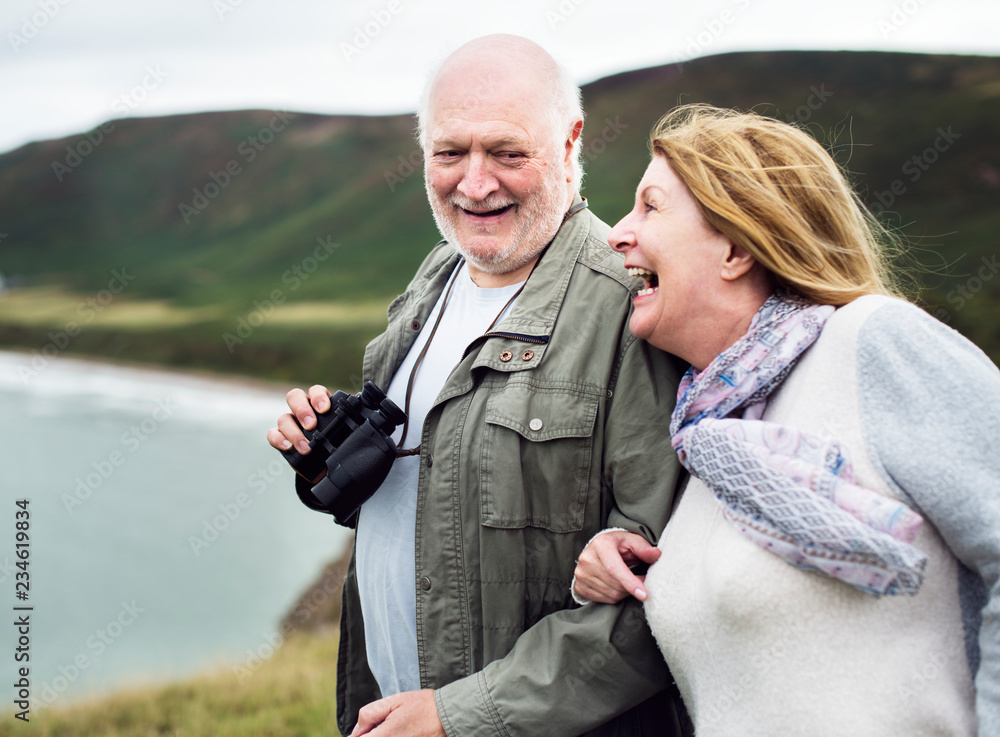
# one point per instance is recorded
(495, 65)
(506, 69)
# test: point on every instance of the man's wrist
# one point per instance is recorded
(466, 709)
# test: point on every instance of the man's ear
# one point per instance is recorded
(736, 262)
(574, 136)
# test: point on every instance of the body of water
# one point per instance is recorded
(165, 535)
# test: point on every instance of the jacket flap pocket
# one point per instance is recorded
(539, 414)
(536, 458)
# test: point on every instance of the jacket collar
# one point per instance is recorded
(537, 307)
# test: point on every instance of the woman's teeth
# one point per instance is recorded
(649, 277)
(640, 272)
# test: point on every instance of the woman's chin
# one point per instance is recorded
(656, 335)
(642, 328)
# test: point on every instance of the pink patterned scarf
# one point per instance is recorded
(789, 491)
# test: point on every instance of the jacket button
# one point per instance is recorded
(527, 355)
(430, 460)
(415, 325)
(506, 356)
(536, 424)
(425, 583)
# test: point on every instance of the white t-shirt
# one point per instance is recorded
(385, 532)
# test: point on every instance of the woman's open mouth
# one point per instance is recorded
(649, 278)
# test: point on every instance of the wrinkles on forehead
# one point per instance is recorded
(453, 129)
(514, 115)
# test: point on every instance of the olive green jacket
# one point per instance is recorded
(553, 426)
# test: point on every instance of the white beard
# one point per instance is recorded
(538, 220)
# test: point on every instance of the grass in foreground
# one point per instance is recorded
(291, 694)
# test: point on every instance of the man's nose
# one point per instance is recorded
(478, 182)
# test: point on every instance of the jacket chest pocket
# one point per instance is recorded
(536, 458)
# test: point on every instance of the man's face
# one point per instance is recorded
(496, 177)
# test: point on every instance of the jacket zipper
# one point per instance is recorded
(536, 339)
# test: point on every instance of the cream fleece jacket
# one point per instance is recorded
(759, 647)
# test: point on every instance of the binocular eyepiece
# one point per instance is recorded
(352, 442)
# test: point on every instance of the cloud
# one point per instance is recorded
(67, 62)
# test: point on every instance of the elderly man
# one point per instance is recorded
(535, 420)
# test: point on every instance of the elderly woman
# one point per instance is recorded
(832, 565)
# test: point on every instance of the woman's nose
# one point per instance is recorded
(622, 236)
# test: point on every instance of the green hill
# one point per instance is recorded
(269, 243)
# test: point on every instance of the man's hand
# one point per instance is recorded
(412, 713)
(602, 572)
(303, 408)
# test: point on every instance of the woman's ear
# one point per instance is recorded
(736, 262)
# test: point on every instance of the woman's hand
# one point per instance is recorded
(602, 573)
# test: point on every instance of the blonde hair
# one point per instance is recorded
(772, 189)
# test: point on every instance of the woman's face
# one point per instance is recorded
(667, 243)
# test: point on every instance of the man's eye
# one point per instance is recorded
(511, 156)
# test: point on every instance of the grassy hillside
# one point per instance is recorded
(292, 694)
(268, 243)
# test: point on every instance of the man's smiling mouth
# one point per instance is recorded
(487, 213)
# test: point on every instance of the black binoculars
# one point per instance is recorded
(352, 442)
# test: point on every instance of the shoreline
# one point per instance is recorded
(150, 370)
(197, 396)
(176, 501)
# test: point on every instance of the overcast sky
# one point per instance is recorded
(69, 65)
